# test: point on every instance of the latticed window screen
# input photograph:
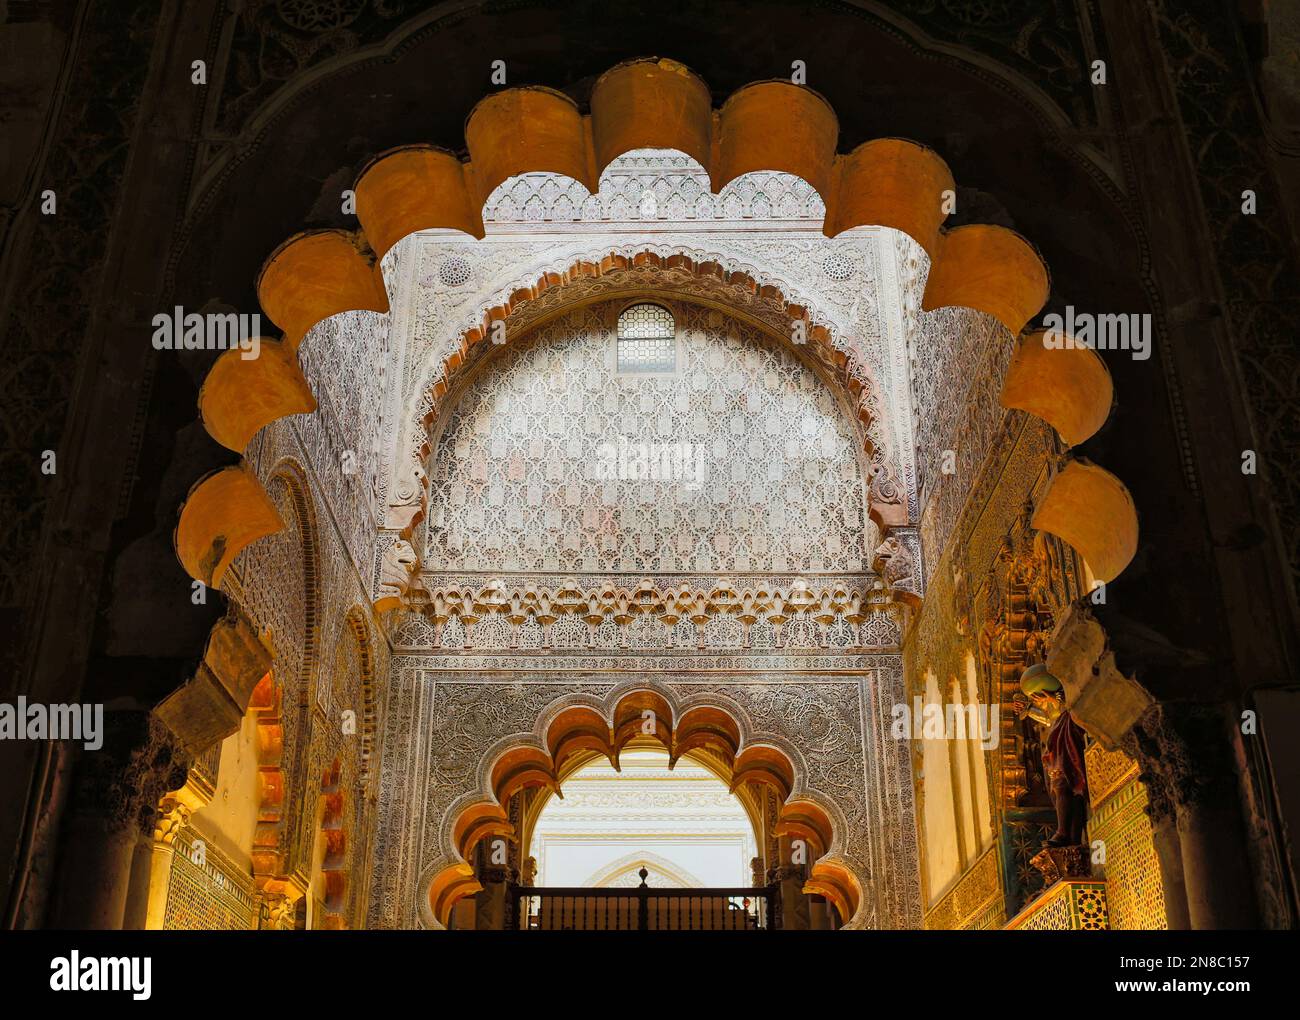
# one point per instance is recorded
(647, 339)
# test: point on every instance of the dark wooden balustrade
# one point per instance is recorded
(550, 908)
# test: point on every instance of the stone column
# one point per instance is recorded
(1187, 759)
(1164, 837)
(115, 795)
(1186, 746)
(151, 871)
(819, 914)
(791, 877)
(492, 911)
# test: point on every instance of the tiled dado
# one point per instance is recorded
(1072, 904)
(1120, 828)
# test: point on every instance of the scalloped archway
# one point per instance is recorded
(574, 729)
(647, 103)
(280, 702)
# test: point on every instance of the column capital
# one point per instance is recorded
(277, 908)
(1185, 754)
(172, 816)
(124, 783)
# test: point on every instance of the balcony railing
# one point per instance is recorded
(548, 908)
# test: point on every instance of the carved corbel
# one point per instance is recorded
(1099, 696)
(894, 561)
(211, 705)
(887, 497)
(277, 910)
(397, 568)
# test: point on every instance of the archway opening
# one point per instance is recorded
(681, 825)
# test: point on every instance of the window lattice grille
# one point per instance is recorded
(647, 340)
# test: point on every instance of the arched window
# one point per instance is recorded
(647, 339)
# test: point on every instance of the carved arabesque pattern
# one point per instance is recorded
(517, 471)
(279, 587)
(852, 357)
(644, 185)
(444, 727)
(956, 361)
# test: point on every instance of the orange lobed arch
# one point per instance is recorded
(579, 729)
(225, 511)
(1089, 508)
(632, 721)
(241, 396)
(765, 765)
(522, 768)
(706, 729)
(478, 822)
(838, 884)
(649, 102)
(802, 819)
(452, 883)
(1068, 386)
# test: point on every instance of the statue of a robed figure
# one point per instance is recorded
(1067, 778)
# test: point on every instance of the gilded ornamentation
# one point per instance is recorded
(1121, 826)
(969, 902)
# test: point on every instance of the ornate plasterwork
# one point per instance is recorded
(375, 374)
(644, 635)
(279, 587)
(303, 589)
(977, 606)
(531, 614)
(653, 661)
(840, 281)
(348, 360)
(449, 726)
(956, 359)
(761, 467)
(679, 270)
(810, 647)
(975, 902)
(652, 187)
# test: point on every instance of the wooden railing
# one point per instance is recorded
(548, 908)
